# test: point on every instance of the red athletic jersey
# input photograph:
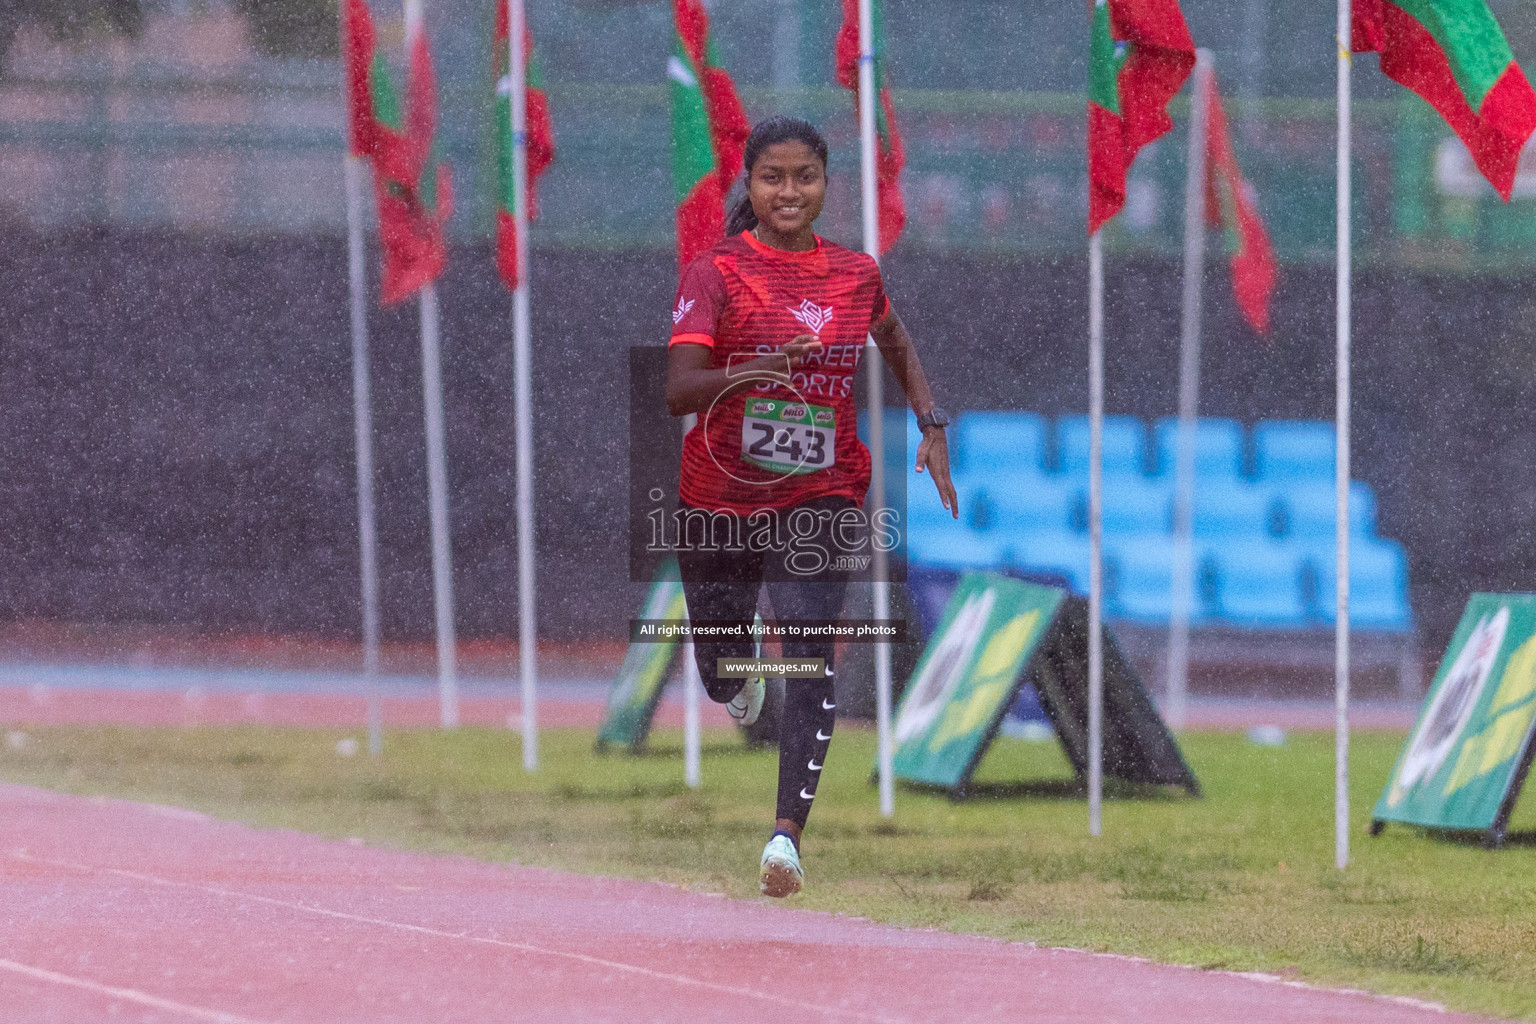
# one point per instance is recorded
(744, 299)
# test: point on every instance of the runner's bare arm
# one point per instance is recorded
(900, 355)
(692, 387)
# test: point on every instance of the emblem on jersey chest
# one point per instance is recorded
(811, 315)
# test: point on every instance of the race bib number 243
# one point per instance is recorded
(788, 437)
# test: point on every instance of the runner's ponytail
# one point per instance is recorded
(741, 218)
(780, 128)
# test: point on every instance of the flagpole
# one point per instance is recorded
(362, 426)
(1095, 533)
(880, 572)
(522, 389)
(692, 684)
(356, 170)
(1341, 457)
(437, 470)
(437, 493)
(1189, 395)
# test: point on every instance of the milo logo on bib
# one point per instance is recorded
(788, 437)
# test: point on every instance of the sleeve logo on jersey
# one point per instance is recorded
(683, 306)
(813, 316)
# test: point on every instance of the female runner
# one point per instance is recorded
(767, 333)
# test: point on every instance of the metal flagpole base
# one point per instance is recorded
(1341, 468)
(869, 216)
(692, 684)
(527, 608)
(1189, 397)
(362, 423)
(1095, 534)
(522, 349)
(437, 493)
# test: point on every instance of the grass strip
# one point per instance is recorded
(1239, 880)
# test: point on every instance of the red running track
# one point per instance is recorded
(130, 912)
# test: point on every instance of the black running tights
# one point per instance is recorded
(723, 585)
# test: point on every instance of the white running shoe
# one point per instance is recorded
(781, 873)
(748, 704)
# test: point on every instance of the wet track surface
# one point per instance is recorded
(123, 911)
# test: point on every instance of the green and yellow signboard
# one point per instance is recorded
(637, 688)
(968, 675)
(996, 634)
(1467, 756)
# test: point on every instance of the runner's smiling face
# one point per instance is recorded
(787, 186)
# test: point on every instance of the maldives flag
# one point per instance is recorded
(709, 132)
(541, 143)
(359, 52)
(412, 189)
(890, 158)
(1229, 203)
(1139, 54)
(1454, 55)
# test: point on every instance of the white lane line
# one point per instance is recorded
(128, 994)
(525, 947)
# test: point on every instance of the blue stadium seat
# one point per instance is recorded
(956, 547)
(924, 511)
(1140, 584)
(1133, 507)
(899, 457)
(1294, 450)
(1139, 581)
(1017, 509)
(1258, 583)
(1062, 554)
(1218, 448)
(1310, 507)
(1012, 443)
(1124, 445)
(1234, 511)
(924, 525)
(1378, 585)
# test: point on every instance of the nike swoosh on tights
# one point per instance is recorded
(806, 796)
(812, 765)
(825, 706)
(819, 736)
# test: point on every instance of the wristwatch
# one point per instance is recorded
(934, 417)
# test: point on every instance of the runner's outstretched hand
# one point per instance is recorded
(933, 453)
